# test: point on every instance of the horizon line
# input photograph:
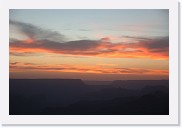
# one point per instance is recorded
(85, 80)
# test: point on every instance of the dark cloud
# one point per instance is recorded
(157, 43)
(37, 33)
(13, 40)
(56, 46)
(80, 45)
(101, 48)
(20, 64)
(14, 63)
(84, 30)
(137, 38)
(24, 54)
(106, 39)
(51, 42)
(29, 64)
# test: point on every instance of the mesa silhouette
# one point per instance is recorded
(77, 97)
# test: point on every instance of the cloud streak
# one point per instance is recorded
(136, 38)
(155, 49)
(36, 33)
(44, 41)
(98, 69)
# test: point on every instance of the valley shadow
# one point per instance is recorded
(74, 97)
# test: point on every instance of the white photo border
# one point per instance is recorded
(171, 119)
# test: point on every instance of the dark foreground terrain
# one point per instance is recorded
(74, 97)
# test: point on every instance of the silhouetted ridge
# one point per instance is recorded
(139, 84)
(89, 82)
(150, 104)
(152, 89)
(73, 97)
(49, 81)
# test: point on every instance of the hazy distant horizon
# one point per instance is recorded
(90, 82)
(93, 80)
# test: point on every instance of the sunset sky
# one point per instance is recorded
(90, 44)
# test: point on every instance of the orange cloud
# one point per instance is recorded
(29, 41)
(98, 69)
(155, 49)
(47, 41)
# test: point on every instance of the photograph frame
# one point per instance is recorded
(171, 119)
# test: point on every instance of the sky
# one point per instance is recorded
(89, 44)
